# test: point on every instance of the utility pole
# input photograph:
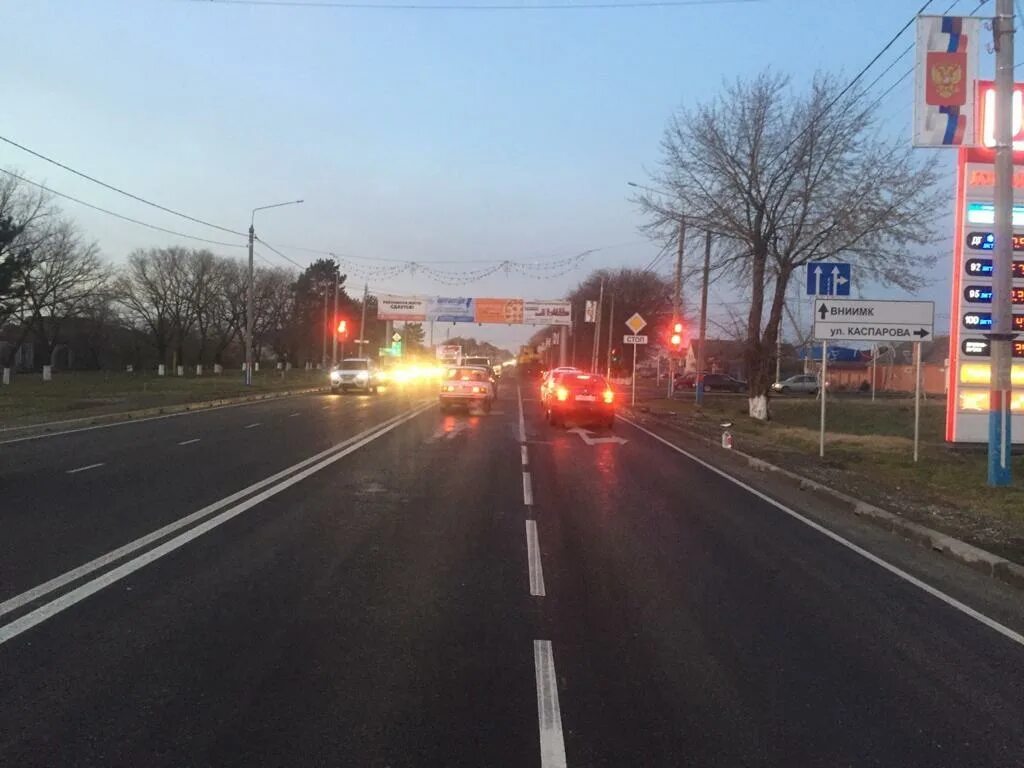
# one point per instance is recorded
(563, 346)
(572, 319)
(999, 435)
(597, 330)
(249, 311)
(699, 388)
(362, 321)
(334, 321)
(611, 337)
(677, 302)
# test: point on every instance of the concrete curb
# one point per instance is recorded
(982, 560)
(163, 410)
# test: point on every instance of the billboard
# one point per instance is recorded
(508, 311)
(945, 71)
(970, 361)
(447, 309)
(410, 309)
(547, 313)
(461, 309)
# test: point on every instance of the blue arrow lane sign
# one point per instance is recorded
(828, 279)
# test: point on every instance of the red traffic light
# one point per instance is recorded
(676, 340)
(677, 329)
(343, 328)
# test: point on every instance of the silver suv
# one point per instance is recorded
(359, 373)
(802, 383)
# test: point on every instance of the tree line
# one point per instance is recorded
(170, 305)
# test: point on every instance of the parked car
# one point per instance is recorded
(713, 382)
(803, 383)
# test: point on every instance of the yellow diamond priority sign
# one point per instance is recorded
(636, 323)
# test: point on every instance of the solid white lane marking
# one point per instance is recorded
(189, 442)
(251, 426)
(193, 412)
(522, 422)
(896, 571)
(533, 556)
(549, 715)
(102, 561)
(526, 457)
(527, 490)
(48, 610)
(85, 468)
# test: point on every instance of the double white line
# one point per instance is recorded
(252, 495)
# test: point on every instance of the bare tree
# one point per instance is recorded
(24, 216)
(145, 289)
(792, 179)
(65, 276)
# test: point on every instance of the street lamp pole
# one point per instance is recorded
(249, 309)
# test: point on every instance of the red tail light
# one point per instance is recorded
(609, 396)
(477, 390)
(563, 393)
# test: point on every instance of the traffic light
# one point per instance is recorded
(677, 339)
(343, 329)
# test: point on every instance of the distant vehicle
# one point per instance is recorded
(800, 384)
(581, 398)
(713, 382)
(465, 387)
(356, 373)
(483, 362)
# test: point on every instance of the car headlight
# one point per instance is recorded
(362, 375)
(335, 375)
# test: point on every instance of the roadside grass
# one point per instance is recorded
(869, 454)
(75, 394)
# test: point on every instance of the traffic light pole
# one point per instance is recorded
(334, 321)
(677, 303)
(699, 384)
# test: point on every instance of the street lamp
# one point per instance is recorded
(249, 289)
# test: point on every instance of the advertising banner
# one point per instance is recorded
(945, 71)
(547, 313)
(411, 309)
(446, 309)
(507, 311)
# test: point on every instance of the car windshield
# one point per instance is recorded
(354, 365)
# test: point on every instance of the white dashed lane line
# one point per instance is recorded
(252, 426)
(189, 442)
(549, 715)
(527, 490)
(290, 415)
(526, 458)
(86, 468)
(533, 557)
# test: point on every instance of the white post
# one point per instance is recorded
(181, 370)
(199, 369)
(917, 397)
(256, 366)
(160, 370)
(634, 374)
(47, 373)
(218, 368)
(874, 368)
(822, 388)
(129, 369)
(7, 377)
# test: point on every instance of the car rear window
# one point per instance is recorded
(583, 380)
(466, 374)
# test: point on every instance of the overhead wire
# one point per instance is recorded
(116, 215)
(120, 191)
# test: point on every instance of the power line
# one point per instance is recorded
(120, 191)
(542, 6)
(116, 215)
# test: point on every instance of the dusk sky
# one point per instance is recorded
(420, 135)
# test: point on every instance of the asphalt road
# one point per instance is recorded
(359, 581)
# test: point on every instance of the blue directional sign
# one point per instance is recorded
(826, 278)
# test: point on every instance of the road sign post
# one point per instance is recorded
(870, 320)
(635, 341)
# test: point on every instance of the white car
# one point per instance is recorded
(466, 387)
(359, 373)
(802, 383)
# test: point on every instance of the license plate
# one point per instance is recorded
(586, 398)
